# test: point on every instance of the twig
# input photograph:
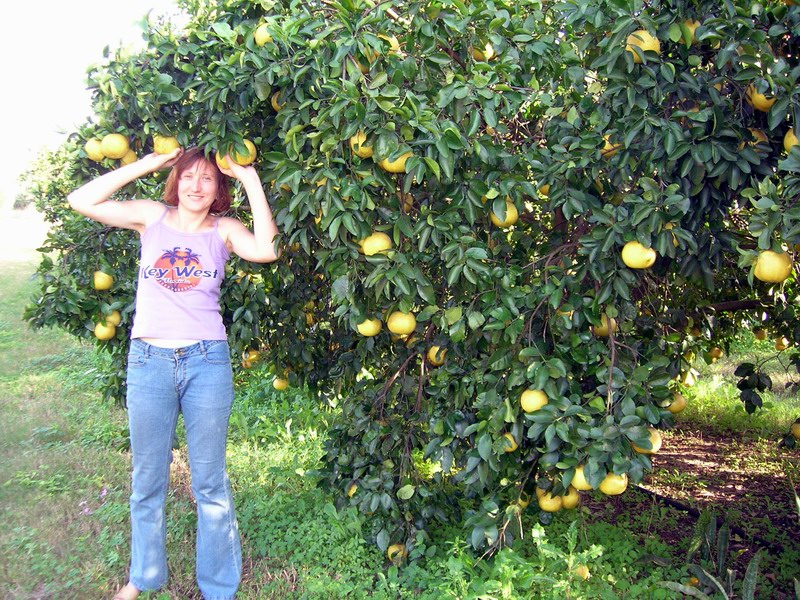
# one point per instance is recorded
(394, 377)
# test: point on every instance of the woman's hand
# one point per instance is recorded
(240, 173)
(158, 162)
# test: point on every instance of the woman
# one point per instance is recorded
(179, 359)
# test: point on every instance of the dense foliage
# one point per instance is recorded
(474, 112)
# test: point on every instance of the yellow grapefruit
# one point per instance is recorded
(262, 35)
(607, 326)
(642, 39)
(94, 149)
(164, 144)
(359, 147)
(370, 327)
(773, 267)
(401, 323)
(678, 404)
(758, 100)
(579, 481)
(655, 443)
(396, 166)
(512, 215)
(104, 331)
(637, 256)
(511, 443)
(533, 400)
(790, 140)
(115, 145)
(613, 484)
(376, 243)
(102, 280)
(436, 355)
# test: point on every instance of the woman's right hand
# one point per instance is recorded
(159, 162)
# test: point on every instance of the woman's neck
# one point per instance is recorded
(189, 222)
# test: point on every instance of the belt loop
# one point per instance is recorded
(145, 348)
(202, 347)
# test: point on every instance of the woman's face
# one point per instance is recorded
(197, 186)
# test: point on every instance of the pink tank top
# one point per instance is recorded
(179, 282)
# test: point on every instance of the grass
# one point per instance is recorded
(715, 403)
(64, 469)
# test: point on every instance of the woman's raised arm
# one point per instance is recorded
(257, 245)
(93, 199)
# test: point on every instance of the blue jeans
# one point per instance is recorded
(196, 380)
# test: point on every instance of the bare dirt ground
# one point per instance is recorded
(745, 482)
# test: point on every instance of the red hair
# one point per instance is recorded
(222, 200)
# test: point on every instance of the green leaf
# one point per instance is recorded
(751, 576)
(475, 320)
(453, 314)
(383, 539)
(406, 492)
(485, 446)
(224, 31)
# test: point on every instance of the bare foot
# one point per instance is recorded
(127, 592)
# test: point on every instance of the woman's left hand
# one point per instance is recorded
(238, 172)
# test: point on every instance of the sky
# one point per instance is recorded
(45, 50)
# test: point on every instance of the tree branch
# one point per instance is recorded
(734, 305)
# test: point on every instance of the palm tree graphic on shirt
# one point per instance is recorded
(182, 267)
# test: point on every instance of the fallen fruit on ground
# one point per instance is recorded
(582, 571)
(396, 552)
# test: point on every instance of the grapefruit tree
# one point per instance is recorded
(507, 153)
